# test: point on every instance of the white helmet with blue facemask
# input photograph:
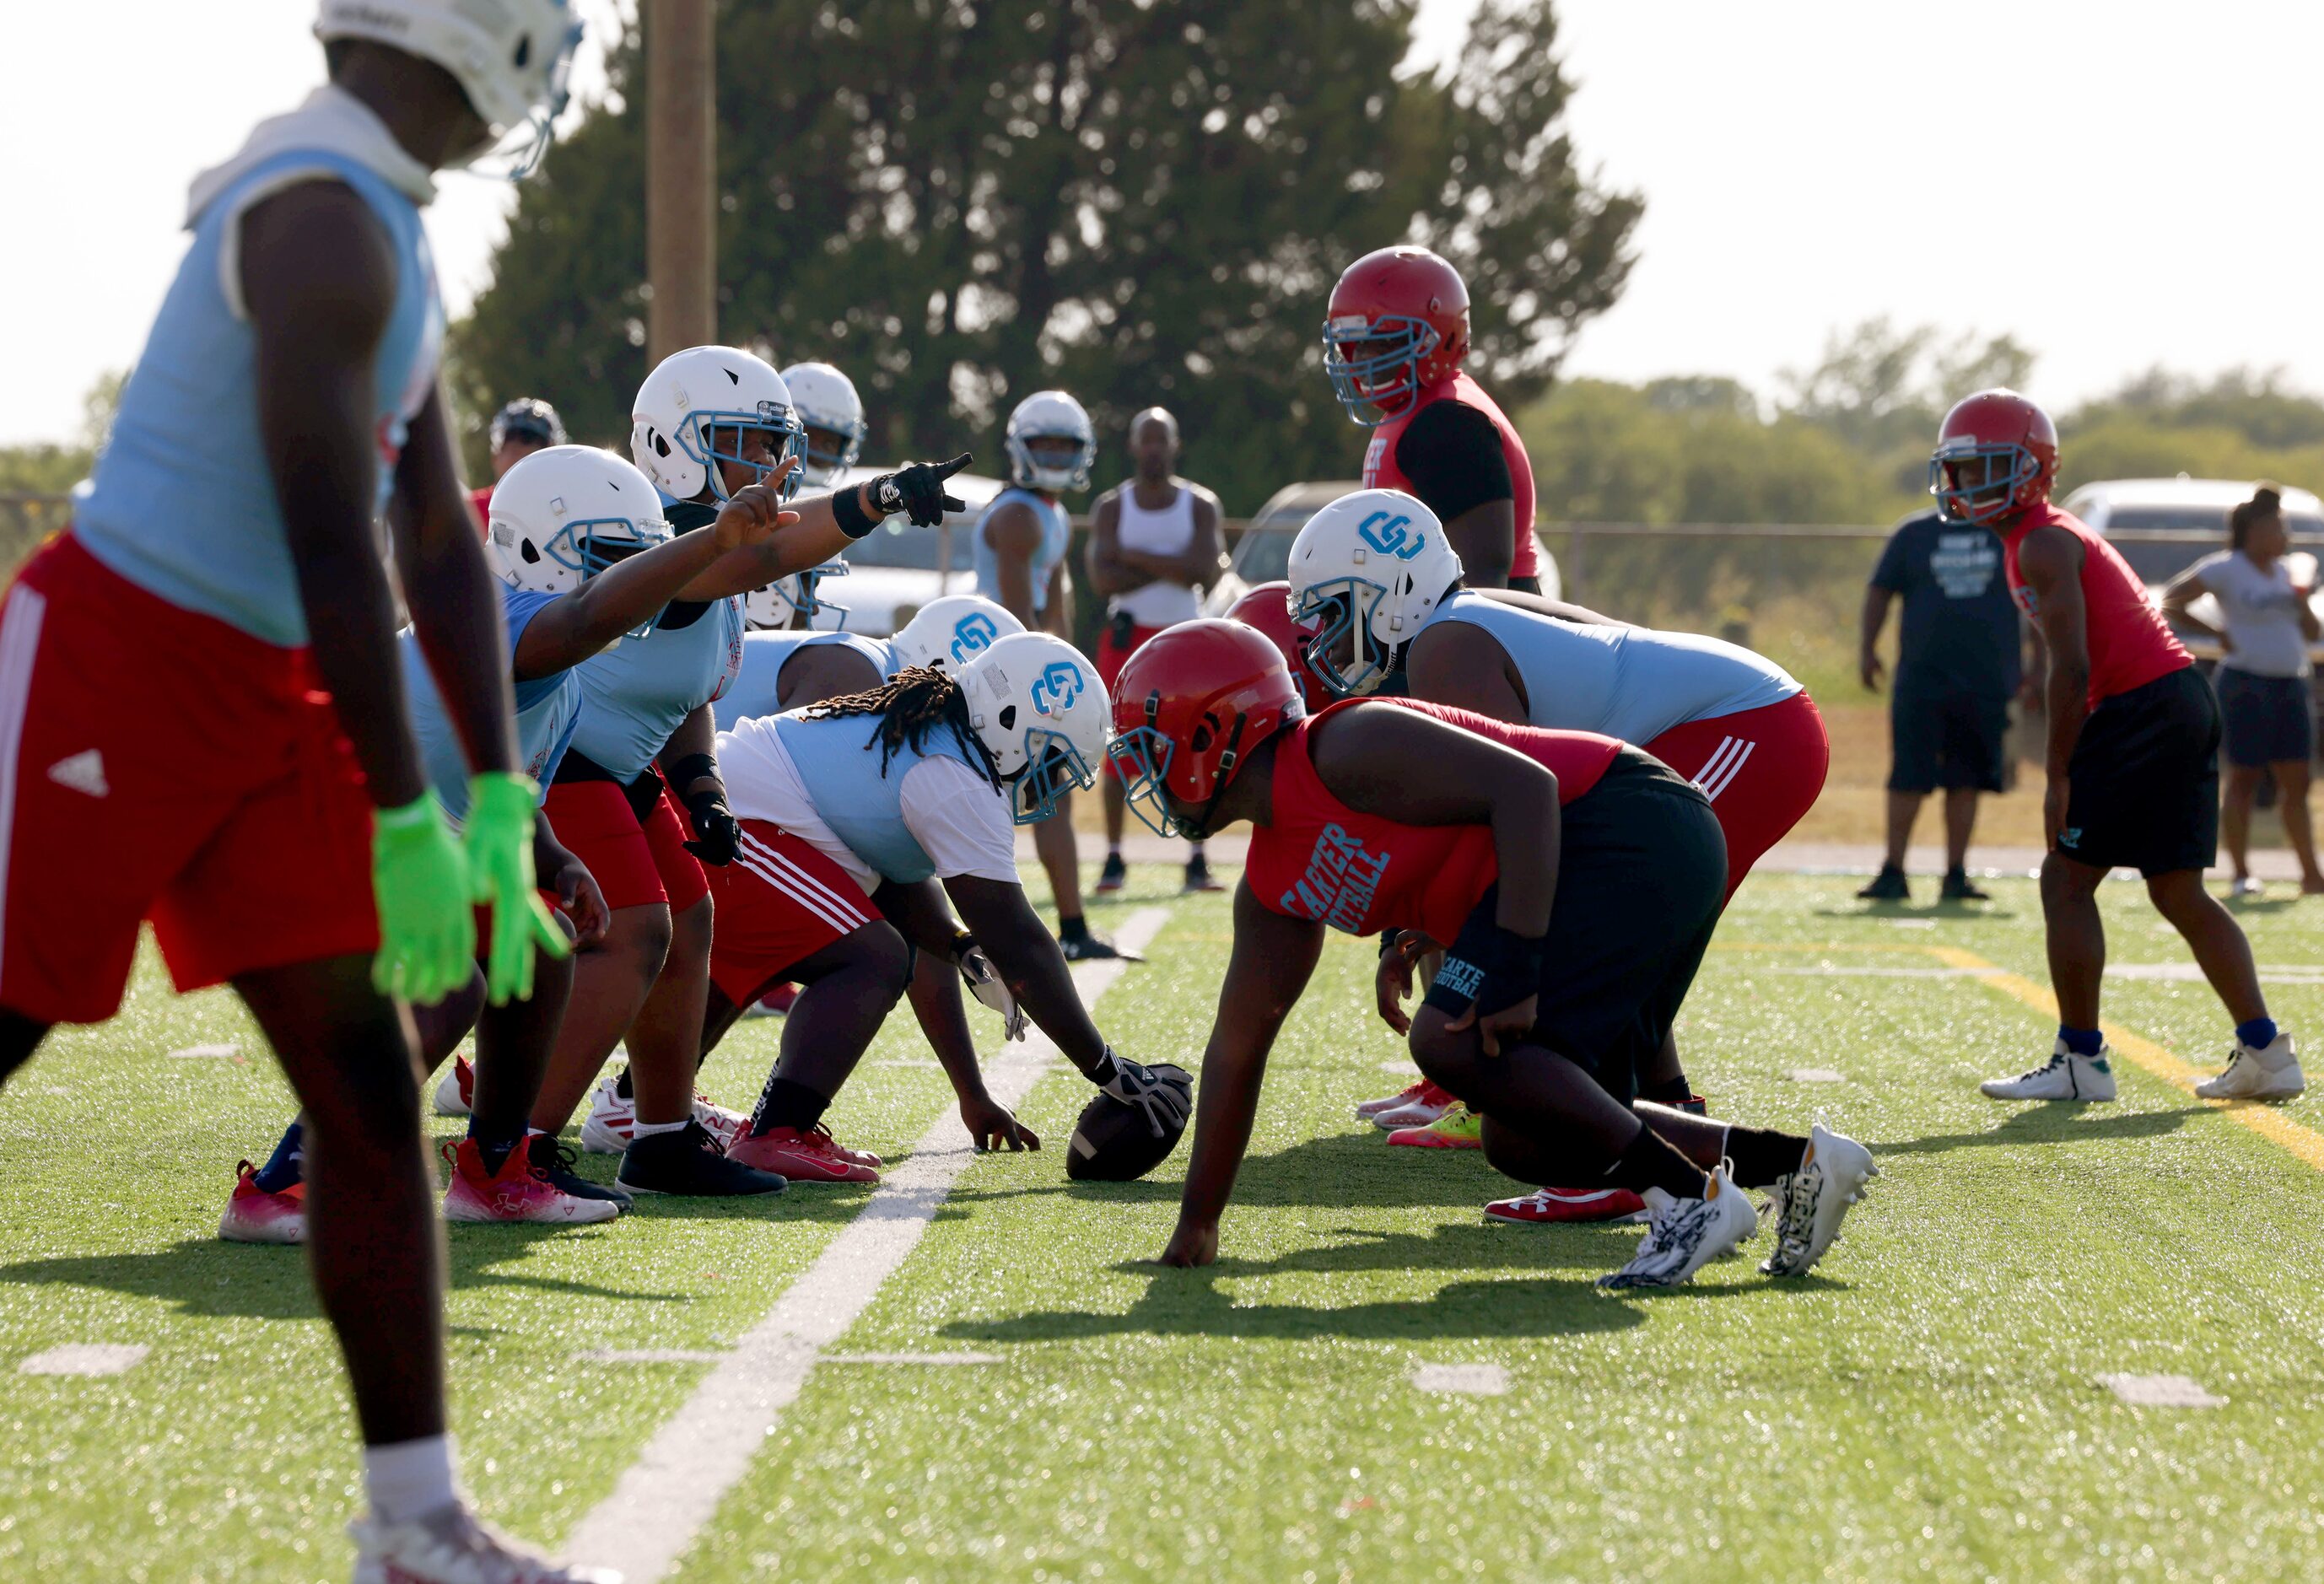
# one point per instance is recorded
(781, 601)
(826, 403)
(1050, 415)
(510, 57)
(949, 632)
(705, 406)
(1040, 712)
(565, 513)
(1367, 572)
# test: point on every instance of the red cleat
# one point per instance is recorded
(252, 1215)
(518, 1191)
(809, 1156)
(1559, 1206)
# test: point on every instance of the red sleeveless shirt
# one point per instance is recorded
(1381, 473)
(1362, 873)
(2130, 643)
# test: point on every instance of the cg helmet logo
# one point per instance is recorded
(973, 634)
(1055, 690)
(1386, 534)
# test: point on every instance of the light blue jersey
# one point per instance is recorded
(838, 763)
(1057, 534)
(764, 654)
(635, 695)
(1633, 683)
(183, 503)
(546, 708)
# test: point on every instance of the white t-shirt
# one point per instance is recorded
(960, 821)
(2262, 615)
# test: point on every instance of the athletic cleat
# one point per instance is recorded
(1092, 947)
(1366, 1110)
(451, 1546)
(613, 1118)
(2272, 1073)
(519, 1192)
(1199, 877)
(1423, 1109)
(1808, 1203)
(1683, 1235)
(689, 1164)
(252, 1215)
(1958, 888)
(2246, 890)
(1458, 1128)
(457, 1091)
(808, 1155)
(555, 1161)
(2064, 1076)
(1114, 876)
(1887, 886)
(1546, 1207)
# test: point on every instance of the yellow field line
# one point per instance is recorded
(2266, 1121)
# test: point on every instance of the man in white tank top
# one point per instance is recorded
(1154, 542)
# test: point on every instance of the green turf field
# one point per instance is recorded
(1926, 1405)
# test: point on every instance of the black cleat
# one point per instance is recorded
(689, 1164)
(1114, 876)
(1960, 888)
(1887, 886)
(556, 1160)
(1199, 876)
(1089, 946)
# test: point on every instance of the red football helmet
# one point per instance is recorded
(1997, 455)
(1268, 607)
(1399, 322)
(1188, 707)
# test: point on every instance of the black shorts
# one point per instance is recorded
(2144, 779)
(2268, 720)
(1947, 740)
(1641, 878)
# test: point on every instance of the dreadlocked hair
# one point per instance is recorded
(912, 704)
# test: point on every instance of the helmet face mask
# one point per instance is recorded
(1039, 710)
(513, 60)
(753, 443)
(1141, 760)
(1397, 323)
(1050, 443)
(709, 412)
(1190, 707)
(830, 416)
(1997, 455)
(562, 515)
(1374, 364)
(794, 598)
(1341, 653)
(1367, 572)
(1979, 483)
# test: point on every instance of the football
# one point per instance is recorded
(1113, 1142)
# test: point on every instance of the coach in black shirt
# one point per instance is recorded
(1957, 662)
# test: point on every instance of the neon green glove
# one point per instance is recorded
(501, 807)
(419, 883)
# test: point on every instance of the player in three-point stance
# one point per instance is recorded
(2133, 756)
(199, 682)
(1577, 879)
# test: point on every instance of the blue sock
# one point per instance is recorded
(287, 1166)
(2082, 1042)
(2259, 1033)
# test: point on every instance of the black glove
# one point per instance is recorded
(1164, 1095)
(716, 834)
(917, 490)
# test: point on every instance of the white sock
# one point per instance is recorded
(409, 1477)
(648, 1129)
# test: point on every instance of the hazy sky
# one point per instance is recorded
(2117, 182)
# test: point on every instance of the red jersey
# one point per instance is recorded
(1381, 473)
(1362, 873)
(482, 500)
(2130, 643)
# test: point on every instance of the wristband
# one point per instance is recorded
(691, 769)
(847, 511)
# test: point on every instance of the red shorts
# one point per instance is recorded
(779, 902)
(158, 764)
(635, 864)
(1762, 770)
(1111, 657)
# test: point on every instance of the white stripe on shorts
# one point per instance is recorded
(799, 872)
(1734, 768)
(20, 642)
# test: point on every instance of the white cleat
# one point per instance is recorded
(450, 1546)
(2246, 890)
(1683, 1235)
(2064, 1076)
(457, 1091)
(612, 1120)
(2272, 1073)
(1811, 1203)
(1421, 1111)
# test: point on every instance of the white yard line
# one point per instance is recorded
(664, 1498)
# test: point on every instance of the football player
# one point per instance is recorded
(2133, 756)
(1395, 336)
(199, 686)
(1577, 879)
(523, 427)
(1020, 546)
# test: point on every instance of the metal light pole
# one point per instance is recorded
(682, 176)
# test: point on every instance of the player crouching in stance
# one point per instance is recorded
(1577, 879)
(885, 794)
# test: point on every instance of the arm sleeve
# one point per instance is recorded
(1451, 453)
(960, 821)
(1892, 573)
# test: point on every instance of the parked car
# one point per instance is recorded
(2163, 526)
(1262, 552)
(897, 568)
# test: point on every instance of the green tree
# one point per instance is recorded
(960, 201)
(47, 467)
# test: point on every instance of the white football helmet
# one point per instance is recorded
(510, 57)
(1041, 711)
(1050, 415)
(564, 514)
(822, 398)
(1368, 570)
(690, 396)
(948, 632)
(773, 607)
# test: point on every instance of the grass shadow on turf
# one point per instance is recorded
(1355, 1169)
(2051, 1122)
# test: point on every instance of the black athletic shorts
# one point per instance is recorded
(2144, 779)
(1947, 740)
(1641, 878)
(2268, 720)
